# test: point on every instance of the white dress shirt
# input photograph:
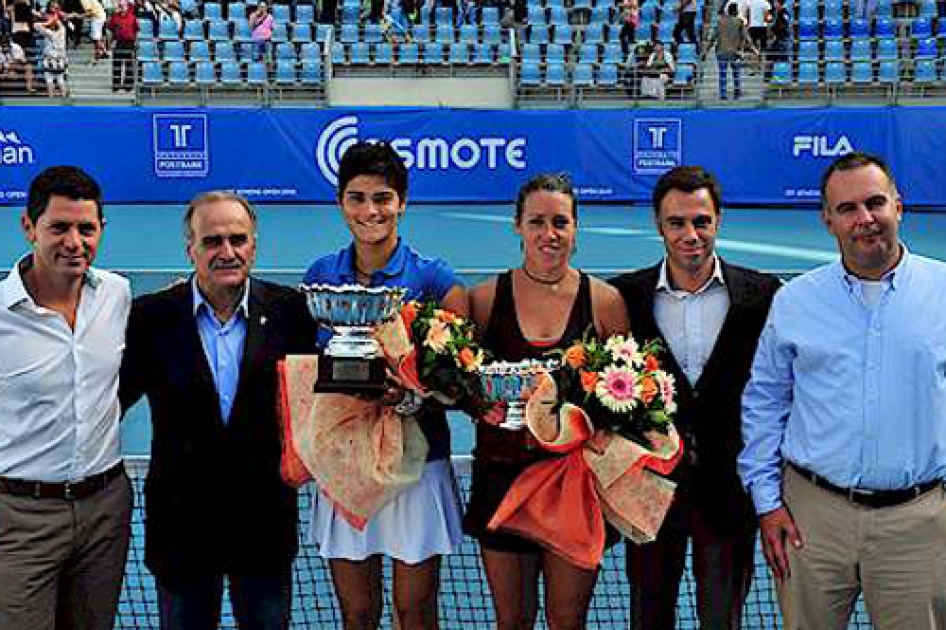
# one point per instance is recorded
(59, 410)
(690, 322)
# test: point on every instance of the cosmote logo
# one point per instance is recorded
(821, 145)
(428, 153)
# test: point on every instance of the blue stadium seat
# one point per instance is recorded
(808, 73)
(648, 11)
(490, 16)
(921, 27)
(205, 73)
(147, 50)
(223, 51)
(383, 53)
(350, 15)
(833, 28)
(538, 34)
(808, 51)
(242, 31)
(607, 75)
(219, 31)
(859, 28)
(280, 33)
(256, 73)
(178, 73)
(558, 16)
(834, 50)
(305, 13)
(808, 29)
(861, 50)
(373, 34)
(835, 73)
(246, 51)
(310, 51)
(483, 54)
(927, 49)
(594, 34)
(230, 73)
(531, 53)
(212, 11)
(339, 54)
(925, 71)
(601, 14)
(941, 28)
(833, 10)
(409, 54)
(555, 53)
(173, 51)
(312, 73)
(286, 73)
(433, 54)
(887, 49)
(612, 54)
(582, 5)
(359, 53)
(492, 34)
(665, 32)
(443, 16)
(469, 33)
(530, 74)
(555, 75)
(884, 27)
(459, 53)
(200, 51)
(145, 29)
(889, 71)
(781, 73)
(583, 75)
(536, 16)
(167, 29)
(281, 13)
(562, 34)
(683, 75)
(349, 34)
(301, 32)
(884, 8)
(862, 73)
(285, 51)
(445, 34)
(808, 11)
(236, 11)
(588, 54)
(193, 30)
(686, 53)
(152, 73)
(928, 10)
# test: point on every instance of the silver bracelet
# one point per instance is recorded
(410, 404)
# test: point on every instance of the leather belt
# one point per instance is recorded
(67, 490)
(868, 498)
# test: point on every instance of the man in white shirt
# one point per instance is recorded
(65, 500)
(760, 14)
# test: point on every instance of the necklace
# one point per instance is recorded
(549, 283)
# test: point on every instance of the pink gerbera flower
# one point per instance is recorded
(618, 389)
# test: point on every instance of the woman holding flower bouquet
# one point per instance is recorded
(543, 305)
(421, 522)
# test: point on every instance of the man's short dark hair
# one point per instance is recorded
(211, 197)
(377, 159)
(70, 182)
(850, 162)
(732, 9)
(547, 182)
(687, 179)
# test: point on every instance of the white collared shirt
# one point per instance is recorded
(690, 322)
(59, 409)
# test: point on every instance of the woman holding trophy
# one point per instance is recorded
(422, 521)
(544, 304)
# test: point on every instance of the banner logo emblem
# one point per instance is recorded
(334, 140)
(180, 145)
(658, 145)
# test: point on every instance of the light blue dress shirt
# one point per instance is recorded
(690, 322)
(851, 390)
(223, 345)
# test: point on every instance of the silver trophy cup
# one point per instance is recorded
(513, 384)
(353, 361)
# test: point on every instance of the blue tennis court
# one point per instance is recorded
(146, 243)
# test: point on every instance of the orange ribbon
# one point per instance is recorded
(563, 503)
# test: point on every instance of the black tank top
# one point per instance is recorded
(504, 339)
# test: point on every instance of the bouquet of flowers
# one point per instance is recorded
(619, 384)
(447, 355)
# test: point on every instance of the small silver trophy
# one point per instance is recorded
(514, 384)
(352, 362)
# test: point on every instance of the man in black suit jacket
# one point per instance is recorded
(205, 354)
(709, 315)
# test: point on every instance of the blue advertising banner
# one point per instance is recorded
(762, 157)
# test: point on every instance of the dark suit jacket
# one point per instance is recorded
(709, 414)
(215, 501)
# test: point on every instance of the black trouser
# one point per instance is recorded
(123, 59)
(628, 35)
(685, 22)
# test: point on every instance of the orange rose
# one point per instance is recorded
(651, 364)
(447, 317)
(409, 314)
(649, 389)
(588, 380)
(576, 357)
(469, 359)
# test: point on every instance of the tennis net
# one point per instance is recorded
(465, 600)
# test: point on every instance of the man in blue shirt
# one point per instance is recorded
(844, 420)
(205, 354)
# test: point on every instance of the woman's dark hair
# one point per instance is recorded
(547, 182)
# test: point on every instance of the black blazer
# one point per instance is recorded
(215, 501)
(709, 414)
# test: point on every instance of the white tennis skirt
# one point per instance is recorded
(422, 521)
